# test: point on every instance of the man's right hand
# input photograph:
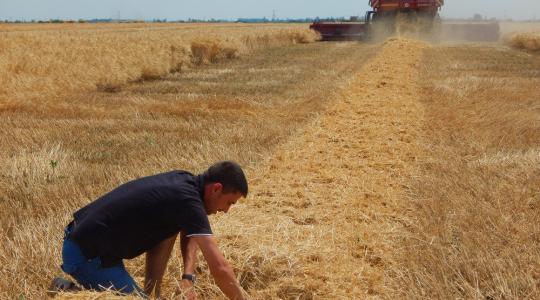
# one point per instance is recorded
(219, 267)
(187, 290)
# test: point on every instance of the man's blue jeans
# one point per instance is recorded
(91, 275)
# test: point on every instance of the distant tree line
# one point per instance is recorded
(476, 17)
(58, 21)
(190, 20)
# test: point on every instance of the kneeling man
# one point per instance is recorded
(145, 216)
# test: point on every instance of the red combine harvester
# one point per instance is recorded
(384, 11)
(387, 16)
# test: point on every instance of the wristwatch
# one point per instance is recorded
(190, 277)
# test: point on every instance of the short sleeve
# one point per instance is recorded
(196, 221)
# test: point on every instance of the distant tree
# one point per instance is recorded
(478, 17)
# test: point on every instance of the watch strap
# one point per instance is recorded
(190, 277)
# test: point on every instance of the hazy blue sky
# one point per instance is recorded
(183, 9)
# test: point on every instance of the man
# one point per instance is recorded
(145, 216)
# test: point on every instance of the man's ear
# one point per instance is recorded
(217, 187)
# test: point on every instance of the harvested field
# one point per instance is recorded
(396, 170)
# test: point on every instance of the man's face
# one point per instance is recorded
(217, 201)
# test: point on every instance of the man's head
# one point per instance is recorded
(224, 184)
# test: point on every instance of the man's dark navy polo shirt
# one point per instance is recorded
(138, 215)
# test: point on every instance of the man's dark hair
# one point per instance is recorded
(230, 175)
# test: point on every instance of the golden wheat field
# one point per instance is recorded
(53, 60)
(396, 169)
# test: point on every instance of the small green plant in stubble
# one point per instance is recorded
(53, 163)
(150, 140)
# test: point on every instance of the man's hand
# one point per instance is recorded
(220, 269)
(186, 290)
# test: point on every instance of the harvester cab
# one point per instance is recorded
(403, 16)
(429, 8)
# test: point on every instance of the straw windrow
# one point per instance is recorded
(525, 41)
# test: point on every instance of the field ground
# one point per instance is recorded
(400, 170)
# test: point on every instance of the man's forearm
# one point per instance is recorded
(189, 254)
(219, 267)
(226, 280)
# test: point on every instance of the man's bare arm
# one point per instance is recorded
(189, 253)
(219, 267)
(189, 248)
(156, 263)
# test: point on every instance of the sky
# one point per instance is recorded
(233, 9)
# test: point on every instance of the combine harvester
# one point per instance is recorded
(417, 17)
